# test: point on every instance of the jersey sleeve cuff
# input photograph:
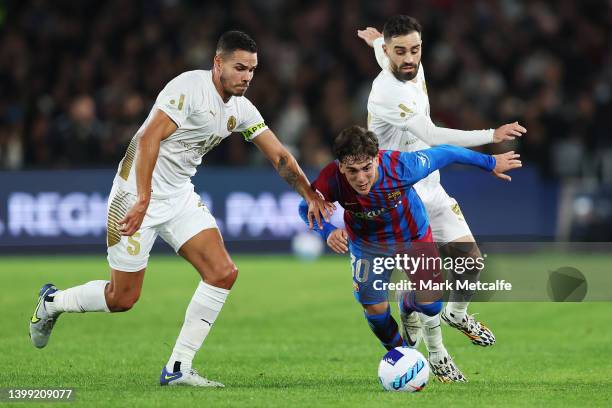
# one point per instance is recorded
(170, 114)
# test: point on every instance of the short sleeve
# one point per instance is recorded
(251, 122)
(392, 105)
(327, 182)
(177, 98)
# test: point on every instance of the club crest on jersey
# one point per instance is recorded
(455, 208)
(394, 195)
(231, 123)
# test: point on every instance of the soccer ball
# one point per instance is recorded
(403, 369)
(307, 246)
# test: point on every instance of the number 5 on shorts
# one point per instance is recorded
(133, 245)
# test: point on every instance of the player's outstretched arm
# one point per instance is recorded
(436, 135)
(289, 169)
(158, 129)
(418, 165)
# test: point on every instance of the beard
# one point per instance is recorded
(229, 90)
(405, 76)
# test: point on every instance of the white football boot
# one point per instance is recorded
(477, 332)
(444, 368)
(189, 377)
(412, 331)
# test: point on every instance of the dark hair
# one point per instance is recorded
(400, 25)
(355, 144)
(231, 41)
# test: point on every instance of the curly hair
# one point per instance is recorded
(355, 144)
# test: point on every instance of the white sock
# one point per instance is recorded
(457, 310)
(84, 298)
(202, 312)
(432, 333)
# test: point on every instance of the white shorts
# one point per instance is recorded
(445, 217)
(175, 219)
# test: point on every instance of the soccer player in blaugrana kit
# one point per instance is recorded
(398, 113)
(385, 216)
(152, 195)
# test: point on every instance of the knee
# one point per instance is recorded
(430, 309)
(376, 309)
(223, 275)
(121, 302)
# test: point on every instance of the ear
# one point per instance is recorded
(375, 161)
(342, 168)
(385, 49)
(217, 61)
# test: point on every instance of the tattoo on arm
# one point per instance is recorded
(289, 175)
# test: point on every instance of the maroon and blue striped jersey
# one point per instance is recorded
(391, 215)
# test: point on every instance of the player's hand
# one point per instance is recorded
(132, 221)
(505, 162)
(317, 206)
(338, 241)
(508, 132)
(369, 35)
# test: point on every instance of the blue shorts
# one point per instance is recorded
(369, 278)
(371, 274)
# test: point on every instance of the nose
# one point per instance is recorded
(410, 59)
(362, 178)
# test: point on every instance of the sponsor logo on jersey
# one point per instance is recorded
(231, 123)
(180, 103)
(406, 110)
(423, 158)
(374, 213)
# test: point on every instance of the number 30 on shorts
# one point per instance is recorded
(361, 268)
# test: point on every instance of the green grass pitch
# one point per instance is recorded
(291, 334)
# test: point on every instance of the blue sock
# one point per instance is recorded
(385, 328)
(409, 304)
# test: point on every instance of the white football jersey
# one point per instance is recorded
(203, 120)
(398, 113)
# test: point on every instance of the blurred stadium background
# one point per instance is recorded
(78, 78)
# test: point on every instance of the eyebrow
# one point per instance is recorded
(245, 66)
(401, 47)
(358, 168)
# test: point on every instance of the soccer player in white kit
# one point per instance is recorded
(398, 113)
(152, 195)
